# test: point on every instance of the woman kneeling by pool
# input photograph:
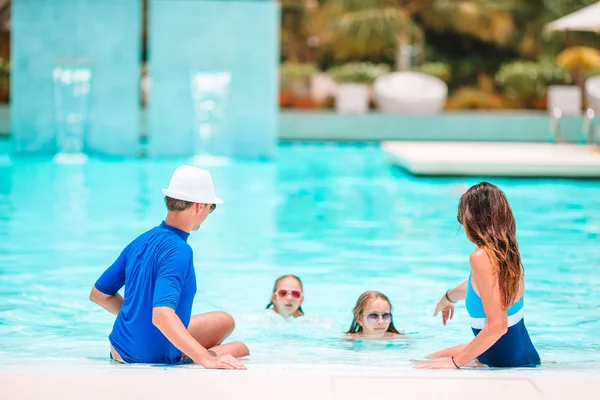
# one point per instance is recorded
(494, 291)
(373, 318)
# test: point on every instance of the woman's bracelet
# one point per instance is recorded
(448, 298)
(454, 362)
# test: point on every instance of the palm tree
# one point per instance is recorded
(363, 28)
(293, 34)
(360, 29)
(487, 20)
(303, 29)
(530, 18)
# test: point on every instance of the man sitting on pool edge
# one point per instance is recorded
(154, 323)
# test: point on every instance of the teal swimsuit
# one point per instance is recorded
(514, 348)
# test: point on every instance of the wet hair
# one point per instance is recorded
(361, 304)
(489, 223)
(275, 288)
(177, 205)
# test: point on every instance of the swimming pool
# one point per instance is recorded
(336, 215)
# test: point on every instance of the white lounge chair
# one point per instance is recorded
(410, 93)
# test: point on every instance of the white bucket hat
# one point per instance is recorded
(192, 184)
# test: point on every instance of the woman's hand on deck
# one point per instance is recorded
(444, 363)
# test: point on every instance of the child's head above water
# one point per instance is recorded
(372, 315)
(287, 296)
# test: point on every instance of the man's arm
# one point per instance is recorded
(169, 324)
(165, 319)
(110, 303)
(172, 273)
(106, 289)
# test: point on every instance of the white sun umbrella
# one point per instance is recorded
(586, 19)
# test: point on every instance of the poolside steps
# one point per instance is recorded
(527, 159)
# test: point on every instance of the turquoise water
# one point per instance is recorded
(338, 216)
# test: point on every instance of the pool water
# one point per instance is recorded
(336, 215)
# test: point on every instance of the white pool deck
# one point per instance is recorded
(495, 159)
(290, 382)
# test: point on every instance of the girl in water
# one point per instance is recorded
(494, 290)
(287, 297)
(373, 318)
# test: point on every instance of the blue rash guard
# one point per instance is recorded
(514, 348)
(157, 270)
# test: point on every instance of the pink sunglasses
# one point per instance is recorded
(281, 293)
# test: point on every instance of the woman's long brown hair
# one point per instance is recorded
(361, 304)
(489, 223)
